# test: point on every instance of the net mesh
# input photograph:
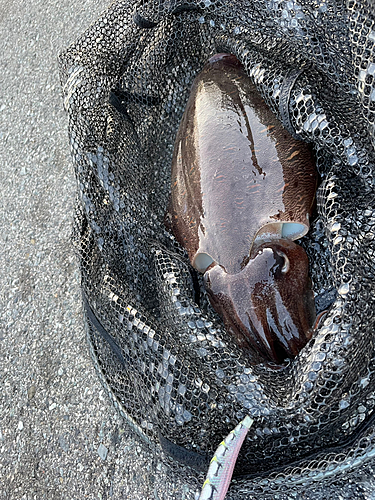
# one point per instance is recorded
(160, 349)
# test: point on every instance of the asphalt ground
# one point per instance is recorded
(60, 438)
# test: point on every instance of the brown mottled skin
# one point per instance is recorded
(236, 175)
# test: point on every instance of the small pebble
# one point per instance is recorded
(20, 425)
(63, 443)
(102, 452)
(31, 391)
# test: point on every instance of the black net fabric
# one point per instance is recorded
(160, 349)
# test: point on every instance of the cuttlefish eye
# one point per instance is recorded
(269, 305)
(286, 264)
(282, 263)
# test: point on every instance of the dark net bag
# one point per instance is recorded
(159, 348)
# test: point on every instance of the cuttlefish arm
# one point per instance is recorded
(240, 181)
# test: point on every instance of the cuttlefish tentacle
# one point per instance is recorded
(242, 188)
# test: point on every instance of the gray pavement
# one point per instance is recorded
(60, 437)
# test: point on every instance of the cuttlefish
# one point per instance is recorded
(242, 190)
